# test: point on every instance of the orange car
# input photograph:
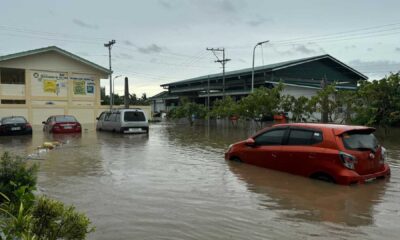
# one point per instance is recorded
(341, 154)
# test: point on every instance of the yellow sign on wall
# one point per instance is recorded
(79, 87)
(50, 86)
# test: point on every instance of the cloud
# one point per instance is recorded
(298, 49)
(128, 43)
(397, 49)
(227, 6)
(83, 24)
(258, 21)
(217, 6)
(165, 4)
(303, 49)
(125, 56)
(348, 47)
(375, 69)
(152, 48)
(369, 49)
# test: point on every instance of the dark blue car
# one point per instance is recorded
(15, 125)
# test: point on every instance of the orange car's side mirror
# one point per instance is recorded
(250, 142)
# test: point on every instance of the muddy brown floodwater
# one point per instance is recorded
(175, 184)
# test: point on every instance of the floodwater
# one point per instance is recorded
(175, 184)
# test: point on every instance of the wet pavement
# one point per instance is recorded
(175, 184)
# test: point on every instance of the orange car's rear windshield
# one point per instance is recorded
(359, 140)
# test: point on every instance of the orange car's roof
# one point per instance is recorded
(337, 128)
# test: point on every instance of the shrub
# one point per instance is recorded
(17, 180)
(52, 220)
(23, 217)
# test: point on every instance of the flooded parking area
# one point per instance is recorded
(175, 184)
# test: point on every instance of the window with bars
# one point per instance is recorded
(12, 76)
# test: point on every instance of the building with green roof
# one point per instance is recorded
(301, 77)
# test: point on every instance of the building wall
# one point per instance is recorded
(158, 106)
(299, 91)
(54, 84)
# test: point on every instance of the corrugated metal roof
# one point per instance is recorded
(270, 67)
(56, 49)
(164, 95)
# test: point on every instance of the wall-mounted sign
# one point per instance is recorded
(79, 87)
(50, 86)
(90, 89)
(46, 83)
(84, 84)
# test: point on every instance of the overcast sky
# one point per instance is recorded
(161, 41)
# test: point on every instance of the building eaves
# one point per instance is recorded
(58, 50)
(164, 95)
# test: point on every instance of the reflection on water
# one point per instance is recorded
(175, 184)
(307, 199)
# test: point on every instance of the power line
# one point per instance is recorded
(339, 36)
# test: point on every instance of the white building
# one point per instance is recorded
(50, 81)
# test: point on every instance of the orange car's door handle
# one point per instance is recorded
(312, 155)
(273, 155)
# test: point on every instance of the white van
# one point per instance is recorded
(124, 121)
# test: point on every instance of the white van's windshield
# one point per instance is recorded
(134, 117)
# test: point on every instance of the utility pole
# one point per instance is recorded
(126, 95)
(208, 100)
(109, 45)
(223, 62)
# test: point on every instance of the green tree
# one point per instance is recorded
(299, 107)
(224, 108)
(188, 110)
(346, 100)
(378, 102)
(324, 102)
(262, 102)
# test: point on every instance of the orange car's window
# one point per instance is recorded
(304, 137)
(273, 137)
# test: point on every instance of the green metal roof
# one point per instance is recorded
(58, 50)
(164, 95)
(270, 68)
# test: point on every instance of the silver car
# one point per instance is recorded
(123, 121)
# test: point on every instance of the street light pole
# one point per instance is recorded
(113, 84)
(109, 45)
(252, 72)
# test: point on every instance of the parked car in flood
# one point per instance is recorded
(123, 121)
(341, 154)
(15, 125)
(62, 124)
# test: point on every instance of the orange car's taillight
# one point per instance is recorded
(348, 160)
(383, 156)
